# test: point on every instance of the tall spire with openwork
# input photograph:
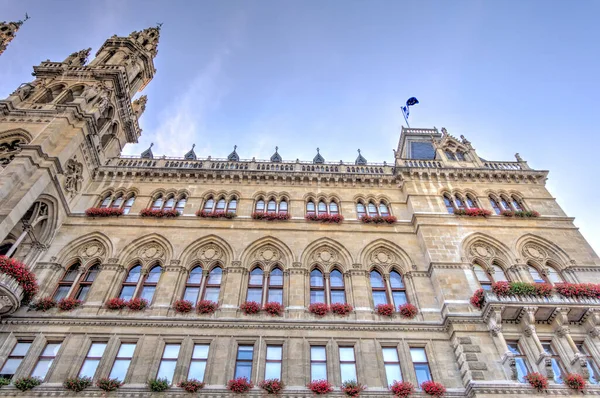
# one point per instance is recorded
(8, 31)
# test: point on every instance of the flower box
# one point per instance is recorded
(241, 385)
(206, 307)
(250, 307)
(273, 308)
(183, 306)
(352, 388)
(378, 219)
(159, 213)
(408, 310)
(578, 290)
(478, 299)
(68, 304)
(103, 212)
(385, 309)
(341, 309)
(319, 309)
(108, 385)
(137, 304)
(116, 303)
(77, 384)
(320, 387)
(43, 304)
(272, 386)
(271, 216)
(25, 278)
(158, 385)
(574, 381)
(434, 389)
(27, 383)
(191, 386)
(505, 288)
(520, 213)
(537, 381)
(325, 218)
(215, 214)
(473, 212)
(402, 389)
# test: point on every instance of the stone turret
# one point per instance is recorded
(8, 31)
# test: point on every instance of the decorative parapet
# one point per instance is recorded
(11, 294)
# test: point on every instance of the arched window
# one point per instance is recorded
(322, 207)
(372, 209)
(66, 282)
(333, 208)
(471, 203)
(516, 204)
(499, 275)
(169, 204)
(283, 207)
(310, 207)
(504, 203)
(360, 210)
(460, 156)
(220, 205)
(209, 204)
(150, 282)
(271, 206)
(378, 289)
(383, 210)
(317, 287)
(260, 206)
(535, 275)
(213, 284)
(192, 286)
(449, 204)
(128, 204)
(232, 206)
(553, 275)
(337, 293)
(158, 202)
(180, 206)
(485, 280)
(130, 283)
(255, 285)
(275, 286)
(85, 284)
(459, 202)
(495, 206)
(105, 202)
(398, 289)
(450, 155)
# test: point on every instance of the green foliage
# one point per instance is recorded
(27, 383)
(522, 288)
(4, 381)
(158, 385)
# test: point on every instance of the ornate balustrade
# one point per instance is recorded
(11, 294)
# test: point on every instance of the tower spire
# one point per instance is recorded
(8, 31)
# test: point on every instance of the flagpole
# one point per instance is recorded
(405, 118)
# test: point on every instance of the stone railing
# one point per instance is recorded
(504, 165)
(11, 294)
(436, 164)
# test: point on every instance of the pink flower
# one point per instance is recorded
(320, 387)
(250, 307)
(402, 389)
(319, 309)
(25, 278)
(341, 309)
(408, 310)
(116, 303)
(537, 381)
(385, 309)
(183, 306)
(103, 212)
(206, 307)
(434, 389)
(240, 385)
(159, 213)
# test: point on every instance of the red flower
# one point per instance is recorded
(353, 388)
(341, 309)
(68, 304)
(578, 290)
(25, 278)
(367, 219)
(116, 304)
(273, 308)
(159, 213)
(137, 304)
(272, 386)
(574, 381)
(537, 381)
(478, 299)
(543, 289)
(501, 288)
(183, 306)
(408, 310)
(108, 385)
(43, 304)
(103, 212)
(325, 218)
(320, 387)
(319, 309)
(191, 385)
(215, 214)
(473, 212)
(271, 216)
(385, 309)
(240, 385)
(250, 307)
(206, 307)
(402, 389)
(507, 213)
(434, 389)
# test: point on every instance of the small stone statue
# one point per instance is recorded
(139, 105)
(78, 58)
(444, 131)
(25, 90)
(518, 157)
(464, 140)
(74, 176)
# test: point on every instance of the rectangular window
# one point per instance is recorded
(243, 363)
(198, 364)
(92, 360)
(122, 361)
(420, 363)
(422, 150)
(273, 365)
(520, 360)
(168, 362)
(392, 365)
(557, 367)
(318, 363)
(14, 359)
(347, 364)
(591, 364)
(45, 360)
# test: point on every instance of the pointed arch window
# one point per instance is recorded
(495, 206)
(260, 206)
(322, 208)
(449, 204)
(255, 285)
(275, 286)
(450, 155)
(337, 290)
(213, 284)
(221, 204)
(193, 284)
(150, 282)
(485, 280)
(398, 289)
(535, 274)
(459, 203)
(170, 203)
(85, 284)
(272, 206)
(106, 202)
(158, 203)
(504, 203)
(383, 210)
(360, 210)
(333, 208)
(130, 283)
(310, 207)
(471, 202)
(553, 275)
(317, 287)
(283, 207)
(209, 204)
(499, 275)
(372, 209)
(180, 206)
(515, 202)
(116, 204)
(66, 282)
(378, 288)
(232, 205)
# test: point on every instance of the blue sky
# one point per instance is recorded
(511, 76)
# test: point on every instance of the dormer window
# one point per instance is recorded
(450, 155)
(460, 156)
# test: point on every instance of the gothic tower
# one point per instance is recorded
(8, 30)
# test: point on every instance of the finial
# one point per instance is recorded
(234, 147)
(317, 150)
(193, 146)
(276, 148)
(359, 151)
(159, 25)
(151, 144)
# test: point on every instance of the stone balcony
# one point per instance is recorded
(11, 294)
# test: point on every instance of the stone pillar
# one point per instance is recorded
(47, 275)
(327, 288)
(150, 348)
(71, 357)
(107, 284)
(168, 286)
(219, 368)
(369, 367)
(297, 290)
(359, 289)
(232, 287)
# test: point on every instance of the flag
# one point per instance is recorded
(409, 102)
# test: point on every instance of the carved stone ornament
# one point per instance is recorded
(151, 251)
(74, 176)
(383, 256)
(93, 249)
(268, 254)
(534, 251)
(210, 253)
(481, 250)
(325, 255)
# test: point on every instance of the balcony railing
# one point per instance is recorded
(11, 294)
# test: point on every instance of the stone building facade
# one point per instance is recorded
(60, 141)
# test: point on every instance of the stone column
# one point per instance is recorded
(71, 357)
(150, 350)
(327, 288)
(232, 288)
(107, 284)
(297, 290)
(168, 286)
(47, 275)
(359, 289)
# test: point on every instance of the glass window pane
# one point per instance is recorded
(317, 353)
(274, 352)
(418, 354)
(117, 203)
(390, 355)
(376, 279)
(396, 280)
(221, 205)
(338, 296)
(399, 298)
(89, 368)
(51, 350)
(148, 293)
(271, 206)
(200, 351)
(254, 294)
(521, 369)
(346, 353)
(360, 208)
(42, 367)
(10, 366)
(191, 294)
(553, 275)
(322, 207)
(61, 292)
(392, 372)
(120, 368)
(20, 349)
(499, 274)
(260, 206)
(214, 277)
(379, 297)
(232, 207)
(71, 275)
(243, 369)
(166, 370)
(91, 275)
(283, 206)
(348, 371)
(197, 369)
(154, 275)
(171, 351)
(422, 150)
(423, 374)
(372, 209)
(276, 277)
(318, 371)
(256, 277)
(209, 205)
(316, 278)
(126, 350)
(317, 296)
(537, 278)
(383, 210)
(336, 279)
(127, 292)
(97, 350)
(273, 370)
(195, 276)
(333, 208)
(212, 294)
(245, 352)
(276, 295)
(134, 274)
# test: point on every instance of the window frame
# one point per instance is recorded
(254, 286)
(194, 285)
(397, 363)
(269, 286)
(314, 361)
(118, 358)
(555, 358)
(314, 208)
(378, 289)
(410, 348)
(83, 282)
(169, 360)
(238, 360)
(212, 285)
(208, 200)
(198, 360)
(20, 357)
(76, 267)
(341, 288)
(276, 361)
(316, 288)
(591, 362)
(134, 284)
(341, 362)
(397, 289)
(127, 205)
(46, 357)
(520, 355)
(156, 207)
(88, 357)
(144, 282)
